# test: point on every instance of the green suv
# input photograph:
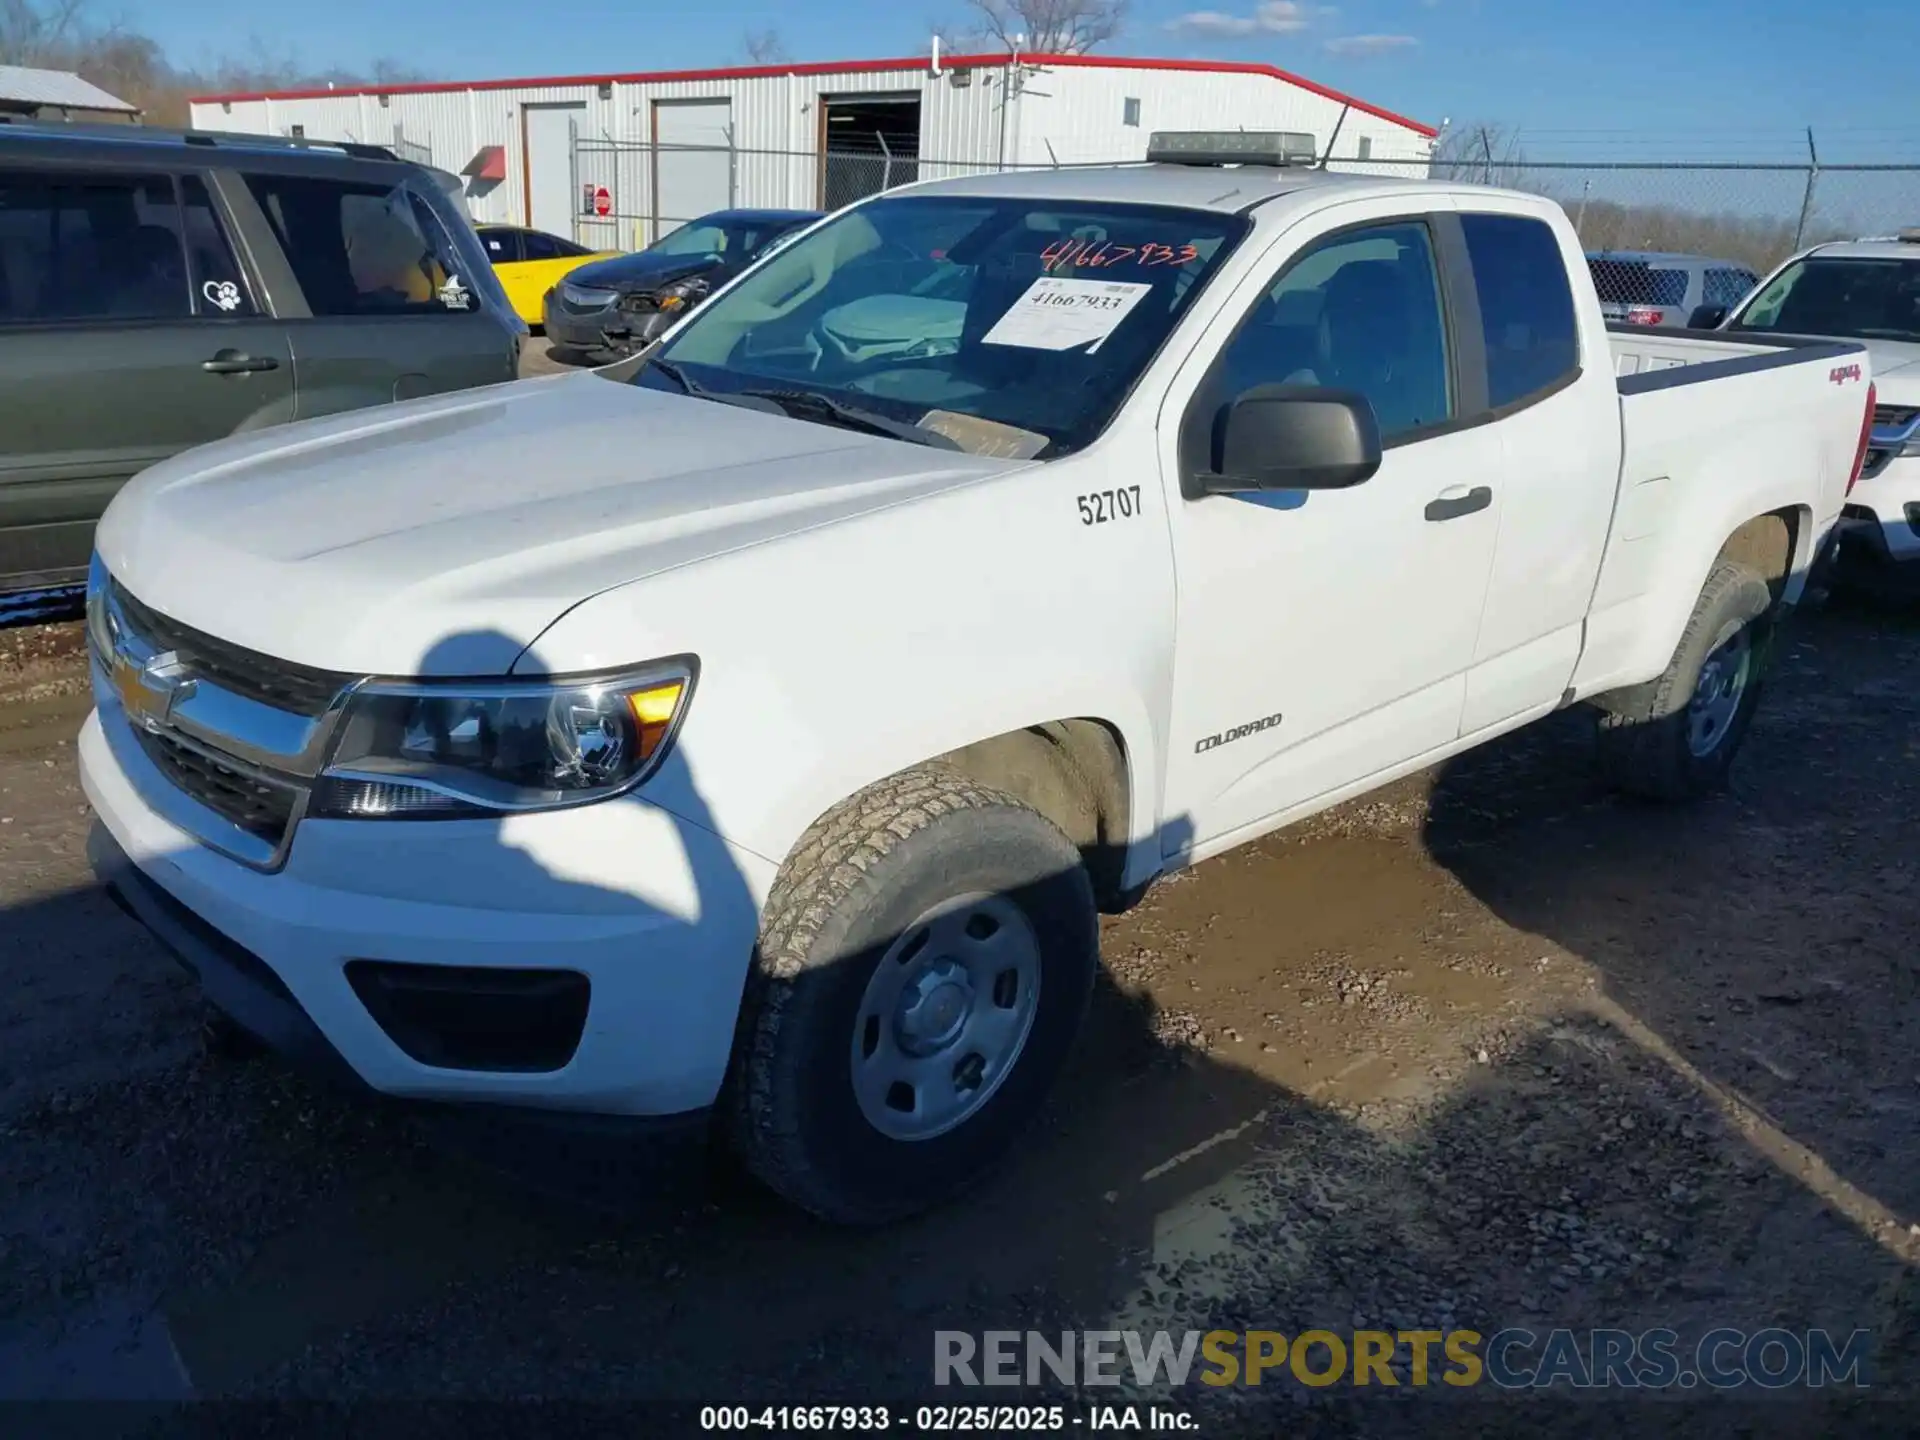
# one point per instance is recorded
(160, 289)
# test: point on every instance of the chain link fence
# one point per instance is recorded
(1742, 216)
(1752, 214)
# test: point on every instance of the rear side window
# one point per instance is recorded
(550, 247)
(364, 250)
(1728, 287)
(502, 246)
(91, 247)
(1526, 306)
(1635, 282)
(219, 287)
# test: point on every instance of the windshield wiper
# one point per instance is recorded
(680, 377)
(811, 405)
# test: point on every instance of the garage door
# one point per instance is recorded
(693, 161)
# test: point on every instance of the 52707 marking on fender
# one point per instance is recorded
(1104, 505)
(1238, 732)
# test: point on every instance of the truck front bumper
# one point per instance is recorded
(614, 939)
(1881, 523)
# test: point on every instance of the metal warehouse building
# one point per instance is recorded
(618, 160)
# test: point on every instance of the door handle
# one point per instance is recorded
(1457, 500)
(233, 362)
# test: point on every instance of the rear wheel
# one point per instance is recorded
(925, 962)
(1675, 738)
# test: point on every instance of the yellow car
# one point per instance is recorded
(531, 262)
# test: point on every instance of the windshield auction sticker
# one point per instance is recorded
(1060, 314)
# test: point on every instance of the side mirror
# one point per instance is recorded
(1707, 317)
(1293, 437)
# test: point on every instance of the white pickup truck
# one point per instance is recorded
(744, 737)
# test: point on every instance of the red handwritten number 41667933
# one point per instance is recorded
(1100, 255)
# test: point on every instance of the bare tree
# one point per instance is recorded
(61, 35)
(1049, 27)
(1487, 154)
(954, 39)
(764, 47)
(41, 36)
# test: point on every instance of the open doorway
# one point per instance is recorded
(868, 143)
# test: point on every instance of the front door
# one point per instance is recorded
(127, 334)
(552, 200)
(389, 315)
(1325, 636)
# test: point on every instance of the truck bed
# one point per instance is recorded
(1642, 357)
(1714, 432)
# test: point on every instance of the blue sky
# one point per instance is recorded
(1697, 79)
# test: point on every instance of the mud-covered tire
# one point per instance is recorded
(1648, 742)
(865, 875)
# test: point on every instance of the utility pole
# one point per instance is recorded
(1806, 201)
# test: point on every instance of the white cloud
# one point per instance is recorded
(1270, 17)
(1370, 44)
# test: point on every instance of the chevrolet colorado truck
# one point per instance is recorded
(744, 738)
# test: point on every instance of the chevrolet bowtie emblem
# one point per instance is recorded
(150, 689)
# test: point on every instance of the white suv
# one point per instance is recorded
(1869, 291)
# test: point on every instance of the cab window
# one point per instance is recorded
(1526, 307)
(1358, 311)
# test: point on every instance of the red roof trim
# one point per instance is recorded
(835, 67)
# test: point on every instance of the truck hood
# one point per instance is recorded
(1896, 371)
(440, 537)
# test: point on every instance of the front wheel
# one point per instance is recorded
(925, 961)
(1675, 737)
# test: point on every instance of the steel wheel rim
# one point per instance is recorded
(1718, 692)
(945, 1017)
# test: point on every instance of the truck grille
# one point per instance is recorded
(297, 689)
(259, 807)
(1894, 414)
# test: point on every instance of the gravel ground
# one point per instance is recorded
(1489, 1048)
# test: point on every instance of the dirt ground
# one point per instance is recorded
(1490, 1048)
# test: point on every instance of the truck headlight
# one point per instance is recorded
(436, 751)
(99, 620)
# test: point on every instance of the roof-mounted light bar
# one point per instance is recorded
(1277, 149)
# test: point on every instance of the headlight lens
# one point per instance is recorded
(99, 622)
(580, 295)
(432, 751)
(682, 295)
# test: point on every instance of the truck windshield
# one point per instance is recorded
(1003, 326)
(1861, 298)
